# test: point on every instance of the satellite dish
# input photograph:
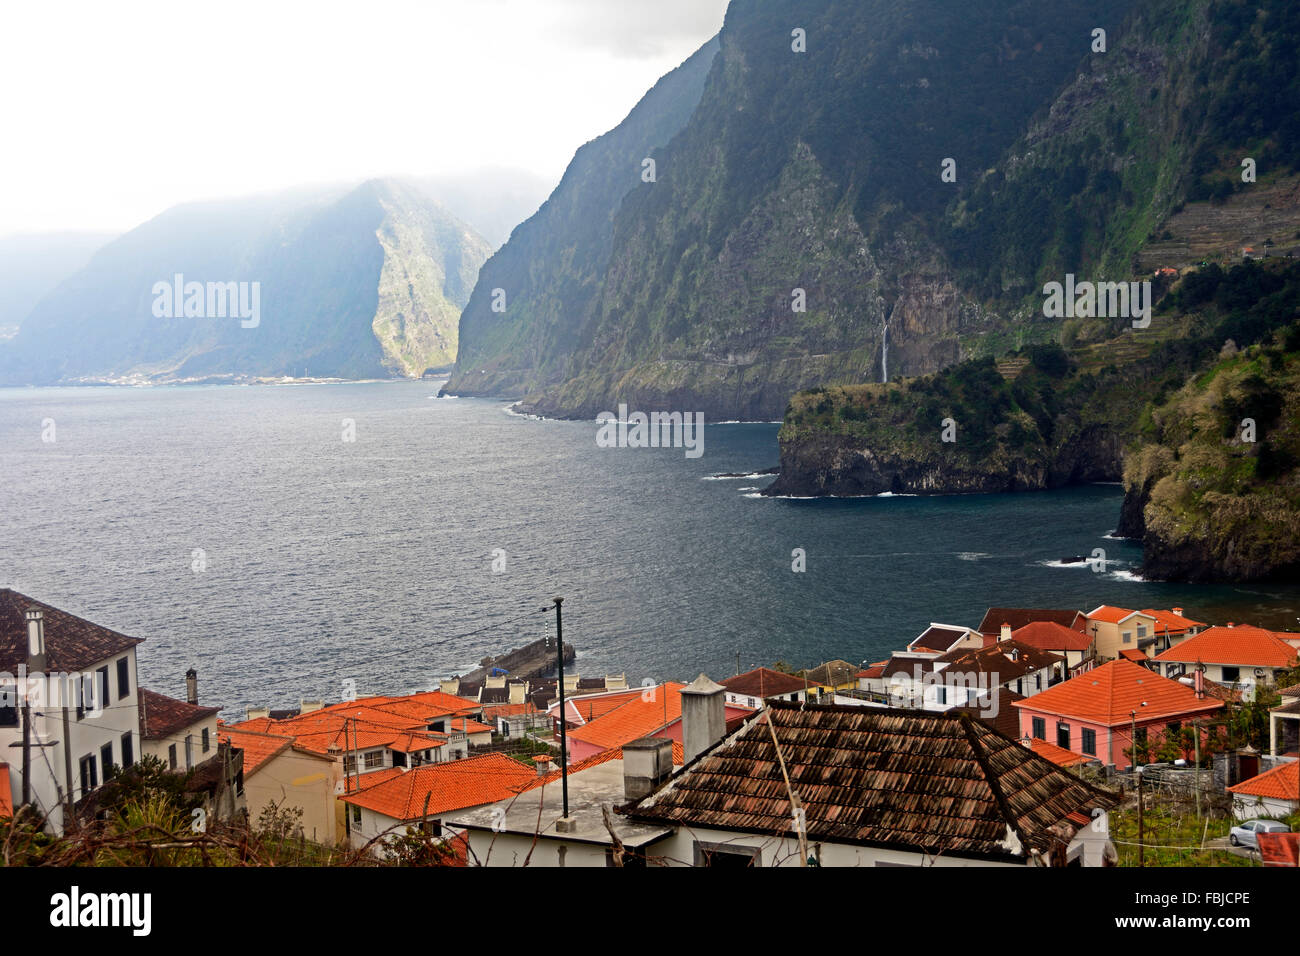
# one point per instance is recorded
(1259, 672)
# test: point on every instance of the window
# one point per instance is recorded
(207, 741)
(941, 694)
(8, 705)
(101, 687)
(726, 855)
(78, 690)
(1040, 728)
(1128, 637)
(1142, 631)
(128, 751)
(1089, 742)
(89, 779)
(356, 813)
(374, 759)
(171, 756)
(123, 678)
(349, 763)
(1231, 675)
(1063, 736)
(106, 758)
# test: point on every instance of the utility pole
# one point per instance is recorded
(1138, 770)
(27, 749)
(1196, 733)
(69, 813)
(559, 685)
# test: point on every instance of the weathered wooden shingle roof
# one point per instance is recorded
(913, 780)
(71, 643)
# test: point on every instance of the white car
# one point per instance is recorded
(1243, 834)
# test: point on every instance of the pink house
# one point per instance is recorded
(1095, 713)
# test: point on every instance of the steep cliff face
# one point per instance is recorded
(365, 282)
(964, 431)
(1215, 493)
(521, 325)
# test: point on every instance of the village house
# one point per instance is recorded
(1237, 655)
(1172, 627)
(278, 774)
(1284, 724)
(1017, 617)
(1098, 713)
(422, 797)
(180, 733)
(941, 638)
(1273, 794)
(1116, 629)
(753, 688)
(67, 686)
(1076, 648)
(890, 804)
(968, 677)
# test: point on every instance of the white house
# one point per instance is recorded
(68, 704)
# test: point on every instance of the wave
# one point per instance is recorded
(972, 555)
(730, 476)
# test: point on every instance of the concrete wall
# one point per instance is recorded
(297, 779)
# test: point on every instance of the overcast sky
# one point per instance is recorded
(114, 111)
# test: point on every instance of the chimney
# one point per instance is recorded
(616, 681)
(647, 763)
(450, 685)
(1178, 611)
(704, 716)
(192, 686)
(35, 639)
(1005, 633)
(255, 712)
(543, 764)
(570, 683)
(309, 706)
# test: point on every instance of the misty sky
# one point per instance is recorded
(114, 111)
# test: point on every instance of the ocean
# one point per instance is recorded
(238, 531)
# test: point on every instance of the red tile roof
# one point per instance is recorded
(162, 716)
(6, 794)
(71, 643)
(1018, 617)
(258, 748)
(764, 682)
(584, 708)
(635, 718)
(1133, 654)
(1167, 622)
(1109, 693)
(1058, 755)
(1240, 646)
(1279, 849)
(449, 786)
(1110, 614)
(1051, 636)
(938, 637)
(1280, 783)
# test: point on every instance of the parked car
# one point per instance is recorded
(1243, 834)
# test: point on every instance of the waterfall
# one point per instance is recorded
(884, 351)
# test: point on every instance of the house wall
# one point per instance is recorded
(296, 779)
(510, 849)
(119, 715)
(1245, 678)
(1248, 807)
(1111, 741)
(161, 747)
(1110, 637)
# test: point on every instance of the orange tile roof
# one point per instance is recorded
(1058, 755)
(409, 743)
(1050, 636)
(1240, 646)
(449, 786)
(1110, 614)
(1280, 783)
(1109, 693)
(6, 793)
(635, 718)
(1133, 654)
(355, 783)
(493, 711)
(615, 753)
(258, 748)
(1171, 623)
